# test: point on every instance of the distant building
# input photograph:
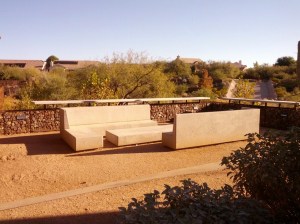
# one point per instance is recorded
(239, 65)
(72, 65)
(69, 65)
(193, 62)
(23, 63)
(190, 61)
(12, 87)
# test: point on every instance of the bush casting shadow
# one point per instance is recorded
(266, 189)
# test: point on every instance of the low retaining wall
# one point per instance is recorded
(30, 121)
(167, 112)
(270, 117)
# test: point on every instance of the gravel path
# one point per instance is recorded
(230, 91)
(41, 164)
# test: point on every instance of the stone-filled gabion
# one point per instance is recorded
(44, 120)
(16, 122)
(27, 121)
(1, 124)
(167, 112)
(30, 121)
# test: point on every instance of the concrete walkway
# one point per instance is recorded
(50, 197)
(267, 90)
(230, 91)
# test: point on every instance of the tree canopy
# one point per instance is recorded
(135, 75)
(50, 59)
(285, 61)
(223, 70)
(179, 71)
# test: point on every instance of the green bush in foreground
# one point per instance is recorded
(267, 169)
(194, 203)
(266, 189)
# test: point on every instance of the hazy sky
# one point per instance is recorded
(221, 30)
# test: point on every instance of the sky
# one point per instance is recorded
(211, 30)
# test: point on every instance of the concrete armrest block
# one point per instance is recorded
(207, 128)
(84, 139)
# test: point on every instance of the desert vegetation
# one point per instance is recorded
(135, 75)
(266, 188)
(130, 75)
(282, 73)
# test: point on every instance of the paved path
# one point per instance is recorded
(257, 90)
(267, 90)
(50, 197)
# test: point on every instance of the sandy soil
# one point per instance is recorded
(40, 164)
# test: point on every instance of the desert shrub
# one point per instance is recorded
(281, 92)
(10, 103)
(16, 73)
(267, 169)
(244, 89)
(223, 70)
(266, 188)
(278, 77)
(181, 89)
(204, 92)
(221, 92)
(293, 97)
(289, 84)
(285, 61)
(25, 102)
(194, 203)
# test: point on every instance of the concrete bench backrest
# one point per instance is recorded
(74, 116)
(213, 126)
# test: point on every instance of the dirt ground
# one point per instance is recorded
(39, 164)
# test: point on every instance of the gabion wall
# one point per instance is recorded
(30, 121)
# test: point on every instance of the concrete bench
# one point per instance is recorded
(129, 136)
(83, 128)
(207, 128)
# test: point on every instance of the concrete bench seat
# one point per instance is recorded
(101, 128)
(83, 128)
(129, 136)
(82, 139)
(207, 128)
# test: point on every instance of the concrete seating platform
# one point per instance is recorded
(83, 128)
(129, 136)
